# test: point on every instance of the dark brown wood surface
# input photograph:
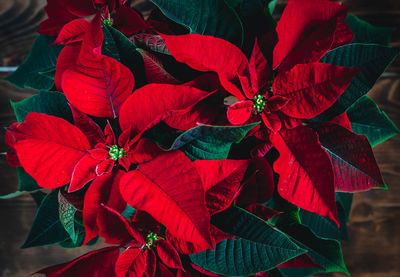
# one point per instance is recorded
(373, 249)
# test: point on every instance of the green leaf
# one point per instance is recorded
(367, 33)
(345, 200)
(272, 5)
(67, 213)
(41, 58)
(48, 102)
(129, 212)
(50, 73)
(207, 142)
(80, 231)
(233, 3)
(46, 228)
(25, 184)
(119, 47)
(258, 247)
(373, 59)
(367, 119)
(324, 227)
(38, 197)
(324, 252)
(207, 17)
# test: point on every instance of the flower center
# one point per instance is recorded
(108, 21)
(151, 239)
(259, 103)
(116, 153)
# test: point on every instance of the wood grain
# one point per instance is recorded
(373, 249)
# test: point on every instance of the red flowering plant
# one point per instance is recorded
(205, 140)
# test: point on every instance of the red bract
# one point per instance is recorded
(96, 84)
(48, 148)
(309, 181)
(104, 154)
(310, 88)
(307, 30)
(154, 103)
(62, 12)
(144, 245)
(86, 265)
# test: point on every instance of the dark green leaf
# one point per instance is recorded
(371, 58)
(271, 6)
(345, 200)
(367, 119)
(41, 58)
(25, 183)
(46, 228)
(233, 3)
(48, 102)
(207, 142)
(129, 211)
(67, 213)
(38, 197)
(258, 246)
(207, 17)
(367, 33)
(324, 252)
(80, 231)
(324, 227)
(51, 73)
(119, 47)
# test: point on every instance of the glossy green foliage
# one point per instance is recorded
(367, 119)
(48, 102)
(119, 47)
(258, 247)
(33, 72)
(46, 228)
(207, 17)
(364, 32)
(371, 58)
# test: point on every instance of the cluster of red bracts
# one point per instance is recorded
(166, 187)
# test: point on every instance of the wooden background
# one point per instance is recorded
(374, 227)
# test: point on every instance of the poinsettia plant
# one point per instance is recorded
(207, 139)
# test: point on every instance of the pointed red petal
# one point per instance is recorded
(155, 72)
(57, 18)
(306, 183)
(131, 262)
(353, 161)
(113, 227)
(99, 154)
(86, 265)
(206, 53)
(84, 172)
(168, 254)
(104, 167)
(154, 102)
(240, 112)
(301, 19)
(104, 189)
(151, 263)
(128, 21)
(272, 121)
(67, 58)
(48, 148)
(259, 187)
(144, 151)
(259, 69)
(97, 85)
(88, 127)
(343, 34)
(157, 191)
(72, 32)
(312, 88)
(110, 135)
(221, 180)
